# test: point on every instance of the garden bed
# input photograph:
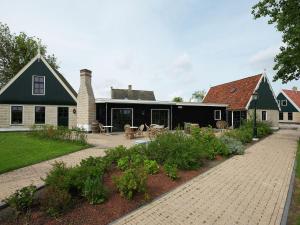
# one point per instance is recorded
(116, 206)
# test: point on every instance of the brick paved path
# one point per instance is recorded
(248, 189)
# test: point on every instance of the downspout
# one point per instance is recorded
(105, 114)
(171, 126)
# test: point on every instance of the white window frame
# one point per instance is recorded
(10, 117)
(161, 110)
(215, 113)
(34, 114)
(262, 115)
(33, 84)
(282, 101)
(111, 115)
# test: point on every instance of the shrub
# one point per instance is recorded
(94, 191)
(59, 133)
(235, 147)
(263, 129)
(123, 163)
(176, 148)
(171, 171)
(151, 166)
(114, 154)
(131, 181)
(23, 199)
(245, 132)
(55, 201)
(59, 177)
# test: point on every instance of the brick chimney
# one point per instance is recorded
(86, 106)
(130, 87)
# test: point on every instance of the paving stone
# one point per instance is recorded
(248, 189)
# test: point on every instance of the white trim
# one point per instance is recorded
(111, 116)
(282, 101)
(32, 89)
(255, 89)
(29, 64)
(34, 114)
(261, 115)
(263, 76)
(162, 110)
(290, 100)
(218, 110)
(57, 77)
(13, 124)
(18, 74)
(124, 101)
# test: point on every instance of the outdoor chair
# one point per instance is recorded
(101, 128)
(127, 130)
(222, 125)
(140, 130)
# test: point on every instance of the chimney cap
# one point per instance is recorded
(86, 71)
(129, 87)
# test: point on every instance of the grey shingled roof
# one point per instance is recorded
(132, 94)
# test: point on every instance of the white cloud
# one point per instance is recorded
(182, 64)
(264, 56)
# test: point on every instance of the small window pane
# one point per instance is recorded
(16, 115)
(290, 116)
(264, 115)
(280, 116)
(217, 114)
(38, 85)
(39, 114)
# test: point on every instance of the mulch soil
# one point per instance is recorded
(116, 206)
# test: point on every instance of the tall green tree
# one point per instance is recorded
(177, 99)
(285, 14)
(16, 50)
(198, 96)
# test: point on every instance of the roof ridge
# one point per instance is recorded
(238, 80)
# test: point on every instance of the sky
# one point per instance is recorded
(173, 47)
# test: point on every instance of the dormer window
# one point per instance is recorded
(38, 85)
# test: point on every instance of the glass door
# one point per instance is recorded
(120, 117)
(160, 117)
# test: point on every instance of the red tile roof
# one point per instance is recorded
(293, 95)
(236, 93)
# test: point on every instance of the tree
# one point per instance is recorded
(198, 96)
(286, 15)
(16, 50)
(177, 99)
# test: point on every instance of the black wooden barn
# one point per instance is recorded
(117, 113)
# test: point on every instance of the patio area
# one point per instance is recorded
(104, 141)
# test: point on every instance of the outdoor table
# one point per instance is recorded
(107, 129)
(132, 130)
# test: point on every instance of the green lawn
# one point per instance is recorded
(294, 213)
(19, 149)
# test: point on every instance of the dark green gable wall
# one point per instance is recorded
(20, 91)
(266, 99)
(289, 107)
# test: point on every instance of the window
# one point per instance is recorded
(40, 115)
(281, 116)
(160, 117)
(217, 114)
(38, 83)
(283, 102)
(264, 115)
(16, 115)
(290, 116)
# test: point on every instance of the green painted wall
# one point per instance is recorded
(266, 99)
(289, 107)
(20, 91)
